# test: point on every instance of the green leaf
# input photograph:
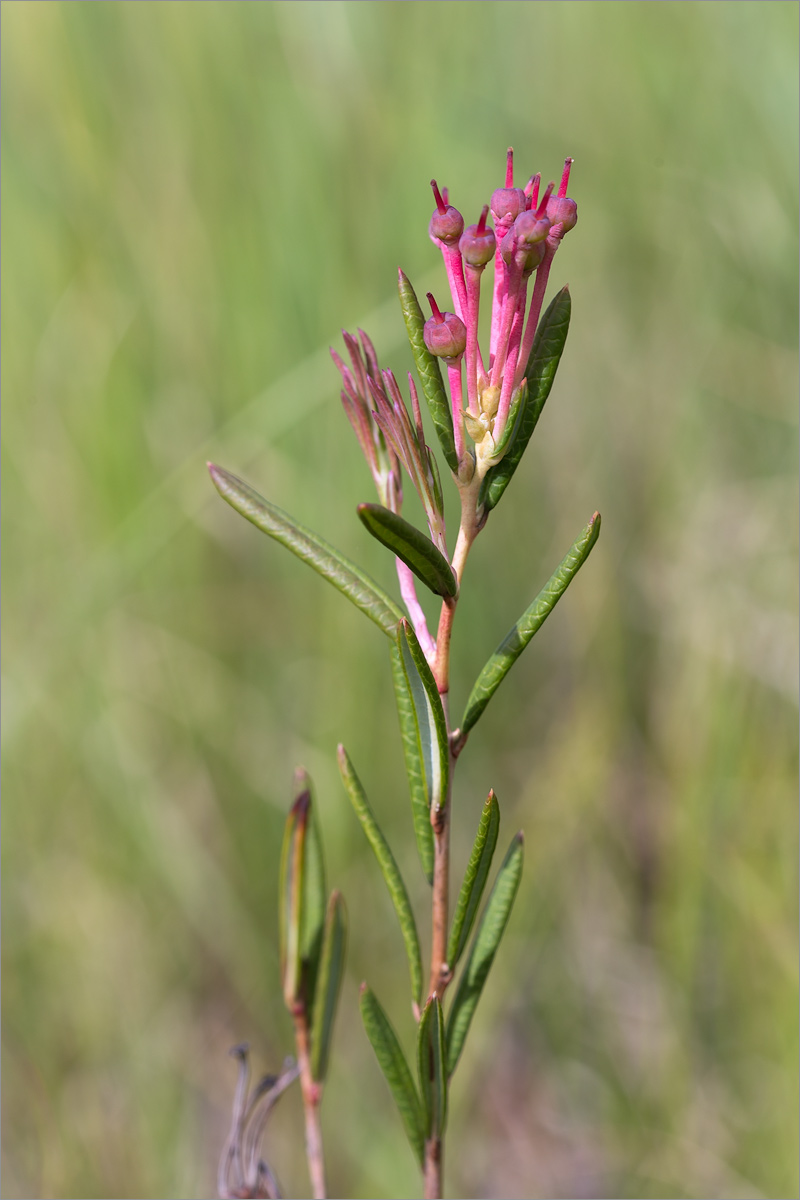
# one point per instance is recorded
(515, 641)
(331, 970)
(477, 872)
(290, 900)
(415, 549)
(482, 951)
(429, 372)
(314, 900)
(417, 785)
(545, 356)
(393, 1063)
(519, 401)
(312, 549)
(429, 716)
(432, 1067)
(389, 869)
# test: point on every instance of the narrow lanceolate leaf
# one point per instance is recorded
(392, 1062)
(477, 872)
(291, 900)
(531, 620)
(420, 811)
(329, 980)
(432, 1067)
(314, 895)
(312, 549)
(415, 549)
(482, 952)
(545, 356)
(430, 374)
(429, 716)
(389, 869)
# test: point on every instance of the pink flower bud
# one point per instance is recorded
(525, 241)
(477, 243)
(445, 334)
(447, 222)
(507, 204)
(562, 211)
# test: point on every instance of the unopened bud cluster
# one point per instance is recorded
(520, 231)
(527, 232)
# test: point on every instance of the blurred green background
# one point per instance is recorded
(196, 198)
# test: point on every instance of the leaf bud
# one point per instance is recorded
(447, 223)
(477, 244)
(445, 334)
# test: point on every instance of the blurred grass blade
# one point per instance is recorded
(545, 355)
(392, 1062)
(482, 952)
(415, 549)
(429, 372)
(431, 1065)
(474, 880)
(312, 549)
(291, 900)
(315, 893)
(428, 715)
(420, 811)
(389, 869)
(512, 645)
(331, 970)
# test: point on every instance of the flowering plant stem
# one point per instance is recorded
(312, 1094)
(482, 446)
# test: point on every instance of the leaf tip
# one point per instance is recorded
(302, 781)
(301, 806)
(362, 988)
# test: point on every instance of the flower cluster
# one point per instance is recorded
(528, 229)
(527, 232)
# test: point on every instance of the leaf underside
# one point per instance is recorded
(475, 877)
(389, 870)
(482, 952)
(393, 1063)
(428, 714)
(420, 811)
